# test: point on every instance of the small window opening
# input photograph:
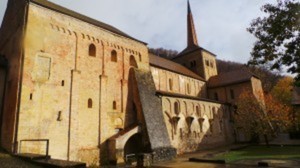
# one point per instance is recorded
(92, 50)
(140, 57)
(114, 105)
(30, 97)
(198, 112)
(231, 93)
(170, 84)
(59, 116)
(176, 108)
(211, 64)
(62, 83)
(207, 62)
(114, 56)
(216, 96)
(188, 88)
(90, 103)
(193, 64)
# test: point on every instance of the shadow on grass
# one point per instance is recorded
(261, 152)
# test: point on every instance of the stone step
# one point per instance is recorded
(31, 156)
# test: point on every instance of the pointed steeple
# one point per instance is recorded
(192, 36)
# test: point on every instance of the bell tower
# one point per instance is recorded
(194, 57)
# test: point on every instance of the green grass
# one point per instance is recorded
(261, 152)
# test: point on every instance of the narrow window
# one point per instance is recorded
(114, 56)
(207, 62)
(170, 84)
(188, 88)
(231, 93)
(92, 50)
(30, 97)
(59, 116)
(176, 108)
(140, 57)
(62, 83)
(90, 103)
(216, 96)
(211, 64)
(114, 105)
(198, 112)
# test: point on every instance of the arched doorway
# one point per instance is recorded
(134, 145)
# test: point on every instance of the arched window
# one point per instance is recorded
(170, 84)
(133, 62)
(92, 50)
(114, 105)
(114, 57)
(90, 103)
(176, 108)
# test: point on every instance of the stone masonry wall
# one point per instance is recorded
(197, 124)
(175, 83)
(73, 97)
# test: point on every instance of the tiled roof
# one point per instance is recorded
(230, 78)
(81, 17)
(163, 93)
(163, 63)
(191, 49)
(296, 96)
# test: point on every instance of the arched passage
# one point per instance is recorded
(134, 145)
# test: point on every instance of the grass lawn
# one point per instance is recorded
(261, 152)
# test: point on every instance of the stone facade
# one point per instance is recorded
(92, 91)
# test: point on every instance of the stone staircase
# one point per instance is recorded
(46, 161)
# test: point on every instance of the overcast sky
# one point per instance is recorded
(220, 24)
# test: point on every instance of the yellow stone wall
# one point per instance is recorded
(202, 68)
(60, 77)
(180, 83)
(215, 117)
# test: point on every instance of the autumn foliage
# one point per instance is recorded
(261, 115)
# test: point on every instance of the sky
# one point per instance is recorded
(220, 24)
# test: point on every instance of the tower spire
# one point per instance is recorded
(192, 36)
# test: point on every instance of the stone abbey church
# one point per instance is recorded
(81, 90)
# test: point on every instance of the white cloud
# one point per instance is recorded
(220, 24)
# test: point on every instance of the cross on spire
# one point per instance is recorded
(192, 36)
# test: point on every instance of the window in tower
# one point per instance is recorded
(207, 62)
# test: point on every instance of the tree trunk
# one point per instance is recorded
(266, 140)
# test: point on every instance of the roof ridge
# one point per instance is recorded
(82, 17)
